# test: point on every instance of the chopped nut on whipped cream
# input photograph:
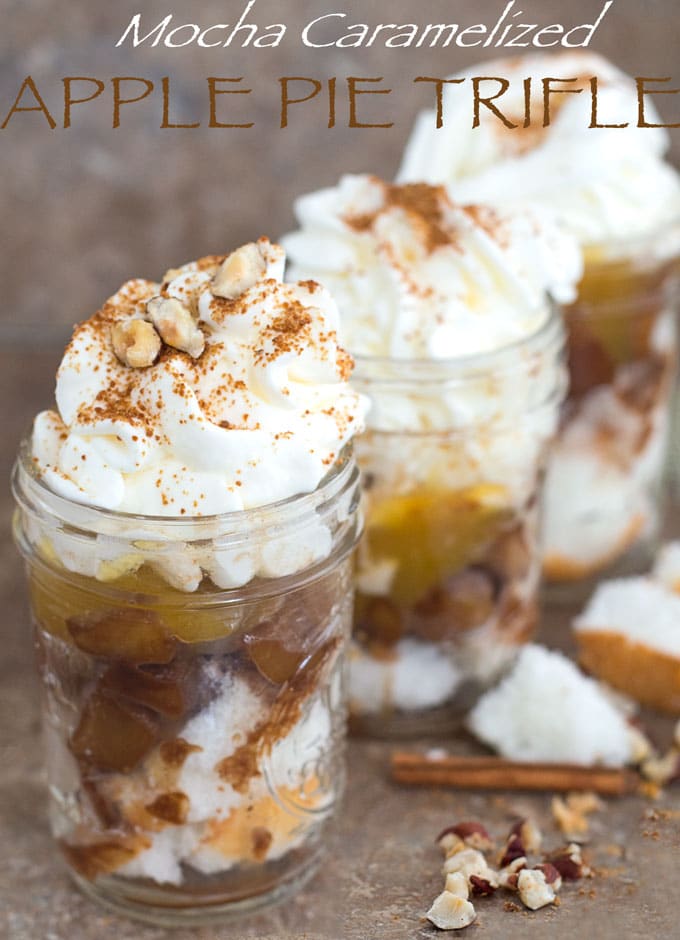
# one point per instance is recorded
(167, 435)
(135, 343)
(240, 271)
(175, 325)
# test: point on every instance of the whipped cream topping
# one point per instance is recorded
(260, 415)
(604, 183)
(418, 276)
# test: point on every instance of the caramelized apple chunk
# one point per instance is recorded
(112, 736)
(277, 644)
(432, 534)
(129, 634)
(379, 619)
(464, 601)
(170, 807)
(101, 858)
(510, 554)
(168, 690)
(272, 659)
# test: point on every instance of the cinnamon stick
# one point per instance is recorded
(495, 773)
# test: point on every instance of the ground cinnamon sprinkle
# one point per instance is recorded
(311, 286)
(114, 404)
(245, 763)
(484, 217)
(261, 839)
(176, 751)
(424, 203)
(294, 317)
(427, 202)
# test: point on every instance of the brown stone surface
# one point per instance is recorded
(382, 869)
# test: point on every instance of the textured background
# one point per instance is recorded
(85, 208)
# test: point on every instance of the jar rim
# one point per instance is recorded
(32, 494)
(621, 247)
(390, 369)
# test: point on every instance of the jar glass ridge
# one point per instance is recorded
(604, 488)
(448, 569)
(194, 699)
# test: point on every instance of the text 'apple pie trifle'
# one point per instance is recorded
(444, 307)
(188, 515)
(614, 191)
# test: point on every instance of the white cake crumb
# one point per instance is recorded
(161, 861)
(219, 729)
(597, 498)
(420, 675)
(545, 709)
(639, 609)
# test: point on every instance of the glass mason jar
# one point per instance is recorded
(604, 486)
(194, 700)
(448, 569)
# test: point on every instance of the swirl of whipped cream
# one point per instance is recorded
(260, 415)
(603, 183)
(417, 276)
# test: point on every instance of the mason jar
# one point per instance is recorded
(194, 701)
(604, 486)
(448, 569)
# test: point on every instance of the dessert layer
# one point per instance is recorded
(417, 276)
(219, 389)
(636, 608)
(606, 184)
(546, 710)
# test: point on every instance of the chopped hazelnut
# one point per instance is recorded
(470, 862)
(241, 270)
(449, 842)
(571, 813)
(534, 890)
(569, 862)
(662, 770)
(449, 912)
(514, 848)
(457, 884)
(640, 745)
(474, 835)
(529, 835)
(175, 325)
(471, 834)
(552, 875)
(507, 877)
(135, 343)
(481, 887)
